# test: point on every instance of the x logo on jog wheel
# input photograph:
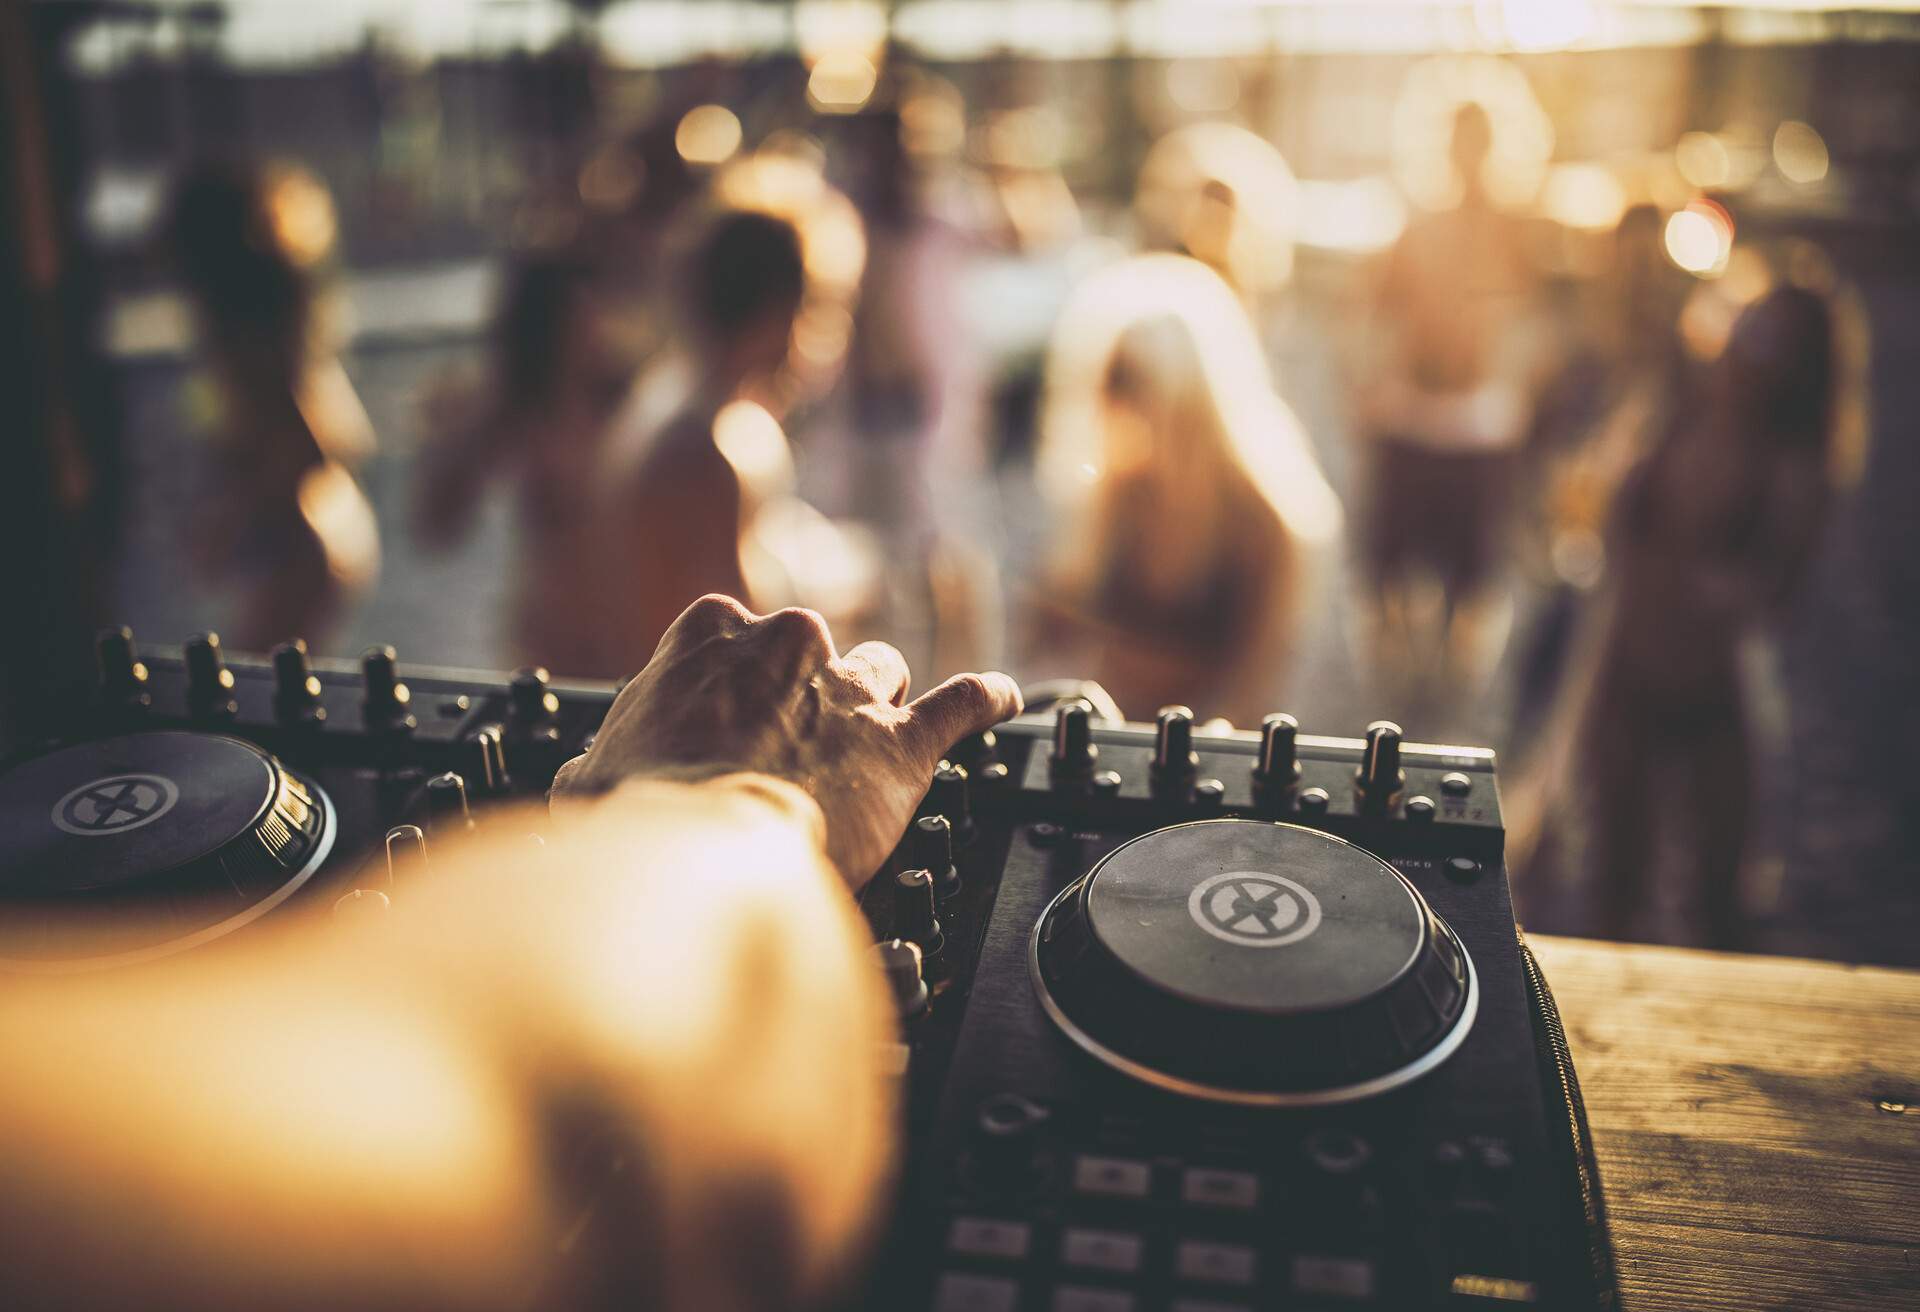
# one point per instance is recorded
(1254, 909)
(115, 804)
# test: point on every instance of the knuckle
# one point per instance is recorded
(805, 629)
(716, 606)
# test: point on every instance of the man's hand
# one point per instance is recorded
(732, 692)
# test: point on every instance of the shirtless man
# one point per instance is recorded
(706, 503)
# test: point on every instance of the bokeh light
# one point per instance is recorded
(1583, 196)
(1703, 160)
(708, 134)
(1699, 239)
(842, 82)
(1799, 153)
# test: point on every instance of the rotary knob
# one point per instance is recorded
(930, 848)
(406, 855)
(1174, 760)
(947, 796)
(900, 962)
(530, 697)
(1073, 751)
(447, 811)
(123, 678)
(209, 681)
(386, 705)
(296, 691)
(1380, 776)
(914, 917)
(1277, 768)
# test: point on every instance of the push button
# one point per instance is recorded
(1205, 1187)
(1078, 1298)
(1112, 1177)
(964, 1293)
(1216, 1264)
(1101, 1250)
(975, 1236)
(1338, 1277)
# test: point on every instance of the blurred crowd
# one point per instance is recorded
(728, 357)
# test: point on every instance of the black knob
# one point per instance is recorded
(1073, 748)
(1380, 776)
(123, 679)
(1107, 783)
(296, 692)
(975, 750)
(914, 917)
(489, 757)
(1007, 1140)
(386, 704)
(209, 681)
(1209, 796)
(406, 854)
(1174, 760)
(900, 961)
(447, 811)
(531, 699)
(930, 847)
(947, 796)
(1278, 766)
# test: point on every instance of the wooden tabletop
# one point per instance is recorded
(1757, 1121)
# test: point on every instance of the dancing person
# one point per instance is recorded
(284, 524)
(1444, 418)
(1191, 516)
(706, 501)
(1709, 538)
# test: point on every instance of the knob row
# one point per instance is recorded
(125, 685)
(1175, 765)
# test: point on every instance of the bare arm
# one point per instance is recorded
(633, 1067)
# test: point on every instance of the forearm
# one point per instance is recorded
(393, 1116)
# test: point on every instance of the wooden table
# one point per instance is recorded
(1757, 1121)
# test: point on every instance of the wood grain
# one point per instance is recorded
(1736, 1110)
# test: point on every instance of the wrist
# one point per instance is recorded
(723, 784)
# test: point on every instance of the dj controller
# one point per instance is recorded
(1191, 1020)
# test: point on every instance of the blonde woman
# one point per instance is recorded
(1188, 508)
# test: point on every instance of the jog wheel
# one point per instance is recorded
(137, 847)
(1255, 963)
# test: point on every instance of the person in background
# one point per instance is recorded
(582, 315)
(560, 374)
(284, 524)
(1445, 416)
(706, 502)
(1591, 428)
(1709, 537)
(1191, 516)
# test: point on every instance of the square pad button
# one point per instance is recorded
(1219, 1264)
(1078, 1298)
(1101, 1250)
(1341, 1277)
(977, 1236)
(1207, 1187)
(960, 1293)
(1112, 1177)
